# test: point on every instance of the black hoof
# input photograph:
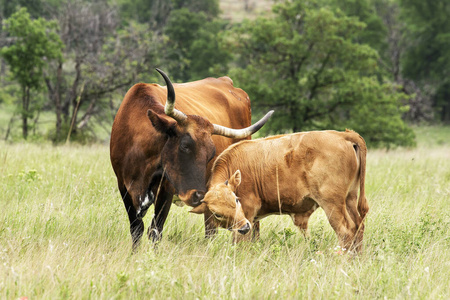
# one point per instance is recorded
(154, 235)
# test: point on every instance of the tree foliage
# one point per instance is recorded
(193, 49)
(306, 63)
(100, 58)
(35, 44)
(320, 64)
(427, 59)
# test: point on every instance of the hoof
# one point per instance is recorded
(154, 235)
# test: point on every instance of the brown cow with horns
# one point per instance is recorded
(158, 151)
(292, 174)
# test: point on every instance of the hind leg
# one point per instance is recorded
(342, 223)
(352, 209)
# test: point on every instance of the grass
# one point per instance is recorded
(64, 235)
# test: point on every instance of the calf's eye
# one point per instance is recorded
(218, 217)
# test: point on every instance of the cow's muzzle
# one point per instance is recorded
(193, 197)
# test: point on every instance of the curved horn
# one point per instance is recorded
(170, 103)
(244, 132)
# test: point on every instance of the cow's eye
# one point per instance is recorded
(186, 144)
(184, 148)
(237, 200)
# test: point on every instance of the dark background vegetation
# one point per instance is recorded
(375, 66)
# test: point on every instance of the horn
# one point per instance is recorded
(241, 133)
(170, 103)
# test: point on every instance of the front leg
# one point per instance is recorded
(149, 197)
(162, 208)
(136, 224)
(301, 220)
(256, 231)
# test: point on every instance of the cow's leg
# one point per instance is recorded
(137, 197)
(162, 208)
(136, 224)
(341, 222)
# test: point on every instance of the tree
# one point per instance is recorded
(427, 58)
(35, 44)
(392, 54)
(307, 64)
(193, 47)
(100, 59)
(157, 12)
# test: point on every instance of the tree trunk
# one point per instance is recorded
(71, 97)
(10, 123)
(25, 110)
(58, 109)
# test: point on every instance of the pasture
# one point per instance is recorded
(64, 234)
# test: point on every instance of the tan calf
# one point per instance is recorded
(292, 174)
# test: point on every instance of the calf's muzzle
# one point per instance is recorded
(244, 229)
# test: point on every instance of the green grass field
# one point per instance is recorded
(64, 235)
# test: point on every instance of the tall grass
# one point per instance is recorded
(64, 235)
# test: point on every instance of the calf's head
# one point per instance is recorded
(189, 146)
(225, 207)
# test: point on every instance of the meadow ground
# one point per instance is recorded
(64, 235)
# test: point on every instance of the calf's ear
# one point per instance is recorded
(235, 180)
(201, 209)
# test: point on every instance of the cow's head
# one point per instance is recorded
(225, 207)
(189, 146)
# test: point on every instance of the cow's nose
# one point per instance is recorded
(244, 229)
(197, 197)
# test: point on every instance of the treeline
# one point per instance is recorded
(370, 65)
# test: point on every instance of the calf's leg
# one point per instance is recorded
(352, 208)
(301, 220)
(342, 224)
(255, 231)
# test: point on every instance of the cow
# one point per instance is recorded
(291, 174)
(158, 151)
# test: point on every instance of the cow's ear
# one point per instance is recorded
(235, 180)
(162, 123)
(201, 209)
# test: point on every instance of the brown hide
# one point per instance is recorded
(294, 174)
(139, 142)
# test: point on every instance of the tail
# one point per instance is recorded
(358, 141)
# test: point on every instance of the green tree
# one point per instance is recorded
(157, 12)
(100, 62)
(194, 49)
(35, 44)
(307, 64)
(427, 58)
(374, 34)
